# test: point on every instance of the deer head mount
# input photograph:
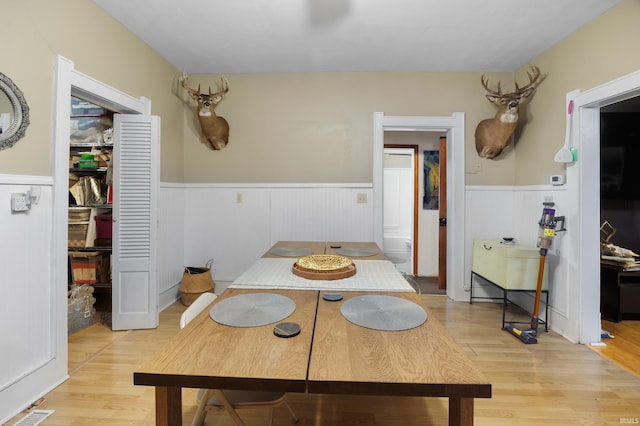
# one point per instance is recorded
(215, 129)
(493, 134)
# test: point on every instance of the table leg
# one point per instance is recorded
(460, 411)
(168, 406)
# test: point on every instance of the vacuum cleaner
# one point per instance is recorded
(546, 233)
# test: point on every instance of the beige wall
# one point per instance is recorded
(314, 127)
(37, 31)
(602, 51)
(317, 127)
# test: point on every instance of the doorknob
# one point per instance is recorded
(442, 221)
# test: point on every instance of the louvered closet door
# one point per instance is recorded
(135, 193)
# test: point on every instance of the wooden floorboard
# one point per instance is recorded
(623, 348)
(554, 382)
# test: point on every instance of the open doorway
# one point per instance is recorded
(582, 177)
(422, 184)
(70, 82)
(453, 127)
(620, 216)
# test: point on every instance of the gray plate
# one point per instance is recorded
(381, 312)
(252, 310)
(291, 251)
(356, 251)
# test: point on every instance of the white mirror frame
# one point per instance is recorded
(20, 120)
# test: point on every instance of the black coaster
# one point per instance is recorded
(332, 297)
(286, 329)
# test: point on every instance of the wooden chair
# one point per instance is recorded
(230, 400)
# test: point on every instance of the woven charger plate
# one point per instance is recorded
(357, 251)
(252, 309)
(291, 251)
(382, 312)
(324, 267)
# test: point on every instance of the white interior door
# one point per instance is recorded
(135, 194)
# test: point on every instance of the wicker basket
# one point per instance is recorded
(195, 281)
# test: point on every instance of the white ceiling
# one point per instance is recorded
(255, 36)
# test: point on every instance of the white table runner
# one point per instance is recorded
(371, 275)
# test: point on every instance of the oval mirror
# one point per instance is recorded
(14, 113)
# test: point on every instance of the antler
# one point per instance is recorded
(485, 84)
(534, 79)
(183, 80)
(224, 87)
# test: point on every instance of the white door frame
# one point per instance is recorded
(70, 82)
(583, 182)
(455, 130)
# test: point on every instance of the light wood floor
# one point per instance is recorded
(552, 383)
(624, 347)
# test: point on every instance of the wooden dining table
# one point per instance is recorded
(331, 355)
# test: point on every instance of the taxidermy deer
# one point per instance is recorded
(493, 134)
(215, 129)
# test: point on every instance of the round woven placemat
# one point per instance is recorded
(357, 251)
(381, 312)
(291, 251)
(252, 310)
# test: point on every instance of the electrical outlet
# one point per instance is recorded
(239, 197)
(362, 197)
(19, 203)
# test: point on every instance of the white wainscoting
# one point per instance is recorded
(236, 224)
(499, 211)
(170, 242)
(30, 357)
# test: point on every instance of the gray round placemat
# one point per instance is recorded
(252, 310)
(291, 251)
(356, 251)
(381, 312)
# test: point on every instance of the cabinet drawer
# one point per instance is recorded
(513, 267)
(630, 298)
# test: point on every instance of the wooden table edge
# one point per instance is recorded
(443, 390)
(207, 382)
